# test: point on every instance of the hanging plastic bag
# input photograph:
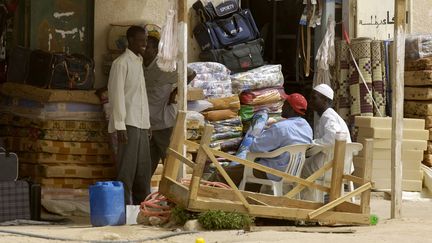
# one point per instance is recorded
(326, 55)
(167, 55)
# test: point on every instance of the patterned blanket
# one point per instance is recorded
(263, 77)
(47, 158)
(55, 135)
(49, 95)
(18, 121)
(55, 147)
(67, 171)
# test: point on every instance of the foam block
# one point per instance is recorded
(407, 185)
(386, 164)
(385, 154)
(385, 143)
(386, 122)
(423, 108)
(418, 93)
(406, 174)
(387, 133)
(418, 78)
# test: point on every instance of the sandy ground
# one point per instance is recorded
(415, 226)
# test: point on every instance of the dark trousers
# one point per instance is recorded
(134, 165)
(159, 143)
(236, 174)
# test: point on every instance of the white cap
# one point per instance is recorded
(325, 90)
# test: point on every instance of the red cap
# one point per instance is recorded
(297, 102)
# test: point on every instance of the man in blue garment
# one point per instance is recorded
(292, 130)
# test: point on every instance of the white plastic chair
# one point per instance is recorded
(295, 166)
(352, 149)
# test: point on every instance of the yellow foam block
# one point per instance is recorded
(387, 133)
(407, 185)
(386, 122)
(195, 94)
(418, 107)
(385, 143)
(418, 93)
(406, 174)
(385, 154)
(386, 164)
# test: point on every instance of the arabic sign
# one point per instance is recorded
(375, 19)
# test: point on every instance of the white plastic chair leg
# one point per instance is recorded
(277, 189)
(242, 185)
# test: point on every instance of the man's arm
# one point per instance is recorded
(330, 130)
(266, 142)
(116, 96)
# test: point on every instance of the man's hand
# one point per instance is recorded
(122, 136)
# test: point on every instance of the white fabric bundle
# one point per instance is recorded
(167, 55)
(326, 55)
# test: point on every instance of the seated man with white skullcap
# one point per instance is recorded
(328, 125)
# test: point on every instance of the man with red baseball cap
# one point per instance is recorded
(292, 130)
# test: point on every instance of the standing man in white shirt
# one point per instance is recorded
(130, 117)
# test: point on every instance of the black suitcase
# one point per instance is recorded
(14, 200)
(8, 165)
(18, 65)
(238, 58)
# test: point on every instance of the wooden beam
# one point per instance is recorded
(355, 179)
(257, 201)
(226, 177)
(397, 107)
(266, 169)
(338, 166)
(182, 13)
(367, 175)
(171, 165)
(180, 157)
(200, 163)
(339, 200)
(317, 174)
(191, 144)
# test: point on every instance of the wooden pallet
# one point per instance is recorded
(199, 198)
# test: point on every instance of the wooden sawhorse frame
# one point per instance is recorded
(198, 198)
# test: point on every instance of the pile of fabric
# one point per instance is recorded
(260, 89)
(60, 136)
(220, 108)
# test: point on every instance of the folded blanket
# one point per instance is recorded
(226, 145)
(49, 95)
(67, 171)
(49, 158)
(226, 135)
(209, 67)
(262, 96)
(263, 77)
(72, 183)
(219, 115)
(231, 103)
(18, 121)
(55, 135)
(25, 145)
(247, 111)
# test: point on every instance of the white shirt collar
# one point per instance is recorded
(131, 54)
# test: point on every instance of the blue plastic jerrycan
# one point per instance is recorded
(107, 205)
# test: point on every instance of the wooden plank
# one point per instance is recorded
(397, 106)
(338, 167)
(339, 200)
(317, 174)
(200, 163)
(175, 191)
(228, 194)
(266, 169)
(280, 212)
(172, 166)
(355, 179)
(226, 177)
(367, 175)
(321, 230)
(191, 144)
(180, 157)
(257, 201)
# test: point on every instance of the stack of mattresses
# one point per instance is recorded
(418, 96)
(60, 136)
(413, 145)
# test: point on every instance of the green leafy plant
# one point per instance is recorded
(218, 220)
(181, 215)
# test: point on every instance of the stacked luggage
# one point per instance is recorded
(228, 35)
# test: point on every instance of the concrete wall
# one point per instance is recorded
(421, 16)
(118, 11)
